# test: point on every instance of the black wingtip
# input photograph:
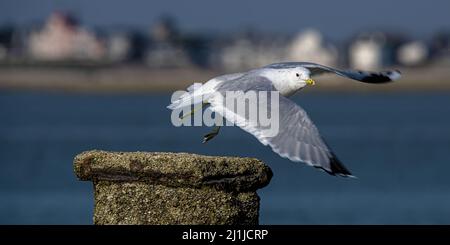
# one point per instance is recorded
(380, 77)
(337, 168)
(377, 78)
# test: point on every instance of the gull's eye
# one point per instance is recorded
(297, 74)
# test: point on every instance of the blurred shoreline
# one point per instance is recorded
(61, 54)
(128, 78)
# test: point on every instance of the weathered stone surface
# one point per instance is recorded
(139, 203)
(172, 188)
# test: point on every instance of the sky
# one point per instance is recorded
(336, 19)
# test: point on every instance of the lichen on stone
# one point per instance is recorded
(172, 188)
(174, 169)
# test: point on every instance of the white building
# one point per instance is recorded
(413, 53)
(371, 51)
(246, 53)
(119, 47)
(366, 52)
(310, 46)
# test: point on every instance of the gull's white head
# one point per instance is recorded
(288, 80)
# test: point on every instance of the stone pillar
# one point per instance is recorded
(172, 188)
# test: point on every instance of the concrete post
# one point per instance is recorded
(172, 188)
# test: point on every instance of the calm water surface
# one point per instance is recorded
(397, 144)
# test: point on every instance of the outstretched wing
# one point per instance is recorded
(298, 138)
(362, 76)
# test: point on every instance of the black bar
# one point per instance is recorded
(241, 234)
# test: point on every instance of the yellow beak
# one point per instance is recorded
(310, 82)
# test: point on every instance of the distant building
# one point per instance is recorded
(119, 46)
(251, 50)
(255, 50)
(165, 30)
(413, 53)
(165, 55)
(125, 46)
(310, 46)
(374, 50)
(166, 48)
(61, 38)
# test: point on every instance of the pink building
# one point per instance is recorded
(62, 38)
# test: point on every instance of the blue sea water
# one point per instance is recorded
(397, 144)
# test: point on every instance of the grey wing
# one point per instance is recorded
(298, 139)
(362, 76)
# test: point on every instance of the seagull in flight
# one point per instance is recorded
(298, 139)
